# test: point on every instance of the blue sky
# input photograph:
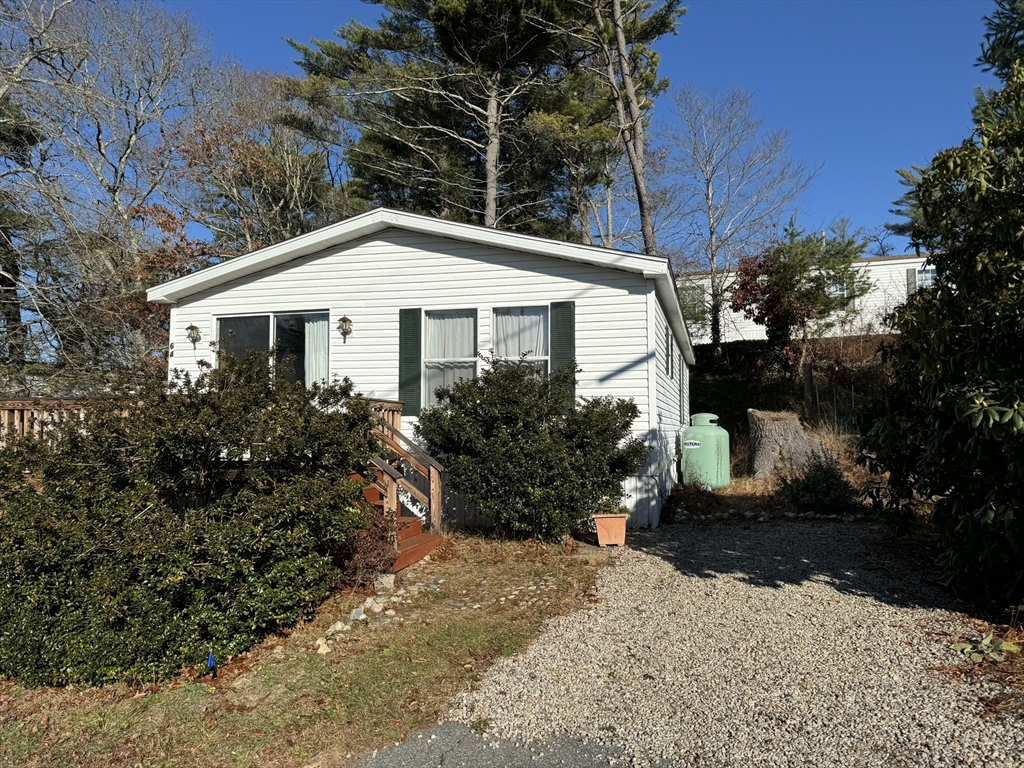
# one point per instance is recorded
(864, 86)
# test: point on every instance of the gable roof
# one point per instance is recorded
(381, 219)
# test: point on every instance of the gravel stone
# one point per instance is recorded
(792, 644)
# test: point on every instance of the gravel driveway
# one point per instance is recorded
(775, 644)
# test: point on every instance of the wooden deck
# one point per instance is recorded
(405, 469)
(19, 418)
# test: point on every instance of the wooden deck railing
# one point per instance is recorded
(35, 417)
(19, 418)
(390, 411)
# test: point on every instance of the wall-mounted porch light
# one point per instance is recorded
(345, 326)
(192, 334)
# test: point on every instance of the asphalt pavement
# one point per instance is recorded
(454, 745)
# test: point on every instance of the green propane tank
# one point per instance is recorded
(705, 452)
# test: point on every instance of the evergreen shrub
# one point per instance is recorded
(535, 460)
(822, 489)
(194, 516)
(947, 428)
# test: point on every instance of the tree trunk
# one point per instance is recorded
(716, 320)
(578, 207)
(492, 157)
(15, 333)
(807, 369)
(635, 143)
(778, 443)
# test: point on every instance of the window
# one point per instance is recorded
(838, 291)
(522, 333)
(919, 278)
(302, 342)
(449, 352)
(439, 347)
(238, 335)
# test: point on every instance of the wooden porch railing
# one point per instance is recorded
(19, 418)
(35, 417)
(390, 411)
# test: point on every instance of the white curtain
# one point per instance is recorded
(450, 349)
(450, 334)
(521, 329)
(317, 348)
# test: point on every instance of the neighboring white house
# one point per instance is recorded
(892, 279)
(423, 296)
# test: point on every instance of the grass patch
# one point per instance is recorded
(282, 704)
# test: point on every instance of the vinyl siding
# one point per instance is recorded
(888, 279)
(888, 290)
(370, 280)
(668, 371)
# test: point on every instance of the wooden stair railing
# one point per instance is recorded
(422, 464)
(389, 476)
(412, 543)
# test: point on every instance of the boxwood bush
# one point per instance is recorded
(535, 460)
(193, 516)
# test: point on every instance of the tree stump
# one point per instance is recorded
(778, 442)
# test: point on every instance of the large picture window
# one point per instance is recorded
(522, 333)
(449, 352)
(302, 342)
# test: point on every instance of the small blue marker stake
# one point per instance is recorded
(211, 664)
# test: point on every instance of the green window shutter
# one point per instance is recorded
(911, 281)
(563, 334)
(410, 360)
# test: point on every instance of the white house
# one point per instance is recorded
(892, 279)
(423, 296)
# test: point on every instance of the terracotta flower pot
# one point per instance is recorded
(611, 530)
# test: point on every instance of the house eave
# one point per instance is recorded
(373, 222)
(379, 220)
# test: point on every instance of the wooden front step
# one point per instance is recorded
(409, 526)
(414, 548)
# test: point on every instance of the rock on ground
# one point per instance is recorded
(785, 644)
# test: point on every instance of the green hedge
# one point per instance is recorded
(200, 516)
(536, 461)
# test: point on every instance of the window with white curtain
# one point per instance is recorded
(926, 277)
(302, 342)
(521, 333)
(449, 349)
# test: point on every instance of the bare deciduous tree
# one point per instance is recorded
(256, 179)
(731, 182)
(111, 102)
